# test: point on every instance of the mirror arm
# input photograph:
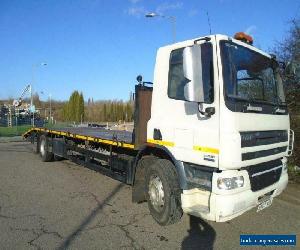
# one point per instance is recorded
(200, 109)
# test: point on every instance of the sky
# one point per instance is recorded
(99, 47)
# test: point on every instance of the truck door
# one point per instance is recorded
(190, 136)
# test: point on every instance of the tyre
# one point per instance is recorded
(163, 192)
(44, 149)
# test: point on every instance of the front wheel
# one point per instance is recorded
(163, 192)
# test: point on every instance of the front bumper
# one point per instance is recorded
(223, 207)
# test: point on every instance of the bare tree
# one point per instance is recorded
(288, 51)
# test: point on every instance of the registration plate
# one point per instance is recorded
(264, 204)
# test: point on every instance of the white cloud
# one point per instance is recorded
(136, 11)
(251, 29)
(168, 6)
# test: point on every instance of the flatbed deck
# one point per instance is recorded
(119, 138)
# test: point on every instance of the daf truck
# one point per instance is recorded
(211, 135)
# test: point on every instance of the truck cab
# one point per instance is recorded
(218, 109)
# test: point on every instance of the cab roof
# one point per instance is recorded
(215, 37)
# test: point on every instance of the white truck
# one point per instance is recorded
(210, 137)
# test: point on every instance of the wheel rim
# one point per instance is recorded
(156, 193)
(42, 147)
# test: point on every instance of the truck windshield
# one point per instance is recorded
(250, 76)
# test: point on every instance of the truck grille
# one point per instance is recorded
(262, 153)
(258, 138)
(264, 174)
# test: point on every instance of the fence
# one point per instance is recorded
(17, 125)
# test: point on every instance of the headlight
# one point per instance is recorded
(230, 183)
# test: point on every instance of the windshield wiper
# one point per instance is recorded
(250, 100)
(250, 108)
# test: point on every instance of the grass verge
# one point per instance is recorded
(13, 131)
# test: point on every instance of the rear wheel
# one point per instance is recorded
(163, 192)
(44, 149)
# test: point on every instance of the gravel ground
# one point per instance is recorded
(59, 205)
(11, 139)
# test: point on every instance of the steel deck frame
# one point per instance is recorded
(117, 138)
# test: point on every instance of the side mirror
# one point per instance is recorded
(210, 111)
(192, 69)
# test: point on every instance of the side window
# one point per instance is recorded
(177, 80)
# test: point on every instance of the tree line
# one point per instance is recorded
(77, 110)
(109, 111)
